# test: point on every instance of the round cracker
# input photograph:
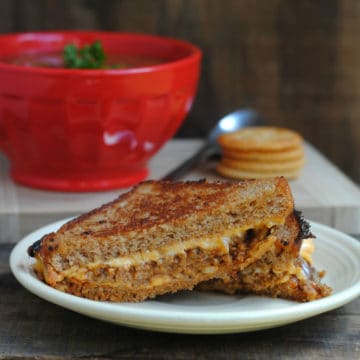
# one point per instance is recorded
(263, 167)
(260, 138)
(240, 174)
(295, 153)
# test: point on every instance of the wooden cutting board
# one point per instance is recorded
(323, 193)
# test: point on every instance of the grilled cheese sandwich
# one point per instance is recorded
(164, 237)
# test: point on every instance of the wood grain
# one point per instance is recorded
(295, 61)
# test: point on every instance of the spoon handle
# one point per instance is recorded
(189, 164)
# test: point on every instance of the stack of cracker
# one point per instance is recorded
(261, 152)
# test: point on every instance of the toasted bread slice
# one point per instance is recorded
(163, 237)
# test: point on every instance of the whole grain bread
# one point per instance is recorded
(156, 217)
(158, 213)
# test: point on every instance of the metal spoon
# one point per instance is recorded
(231, 122)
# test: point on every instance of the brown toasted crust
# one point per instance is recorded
(192, 210)
(149, 207)
(154, 215)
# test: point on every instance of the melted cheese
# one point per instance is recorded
(221, 244)
(307, 249)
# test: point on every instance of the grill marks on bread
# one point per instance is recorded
(158, 214)
(154, 203)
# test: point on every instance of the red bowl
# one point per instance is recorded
(85, 130)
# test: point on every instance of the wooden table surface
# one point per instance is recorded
(31, 328)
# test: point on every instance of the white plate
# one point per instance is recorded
(200, 313)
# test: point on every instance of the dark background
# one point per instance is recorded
(297, 62)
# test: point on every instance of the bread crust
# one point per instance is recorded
(156, 214)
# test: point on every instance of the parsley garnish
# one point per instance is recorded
(88, 57)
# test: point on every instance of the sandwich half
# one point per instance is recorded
(162, 237)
